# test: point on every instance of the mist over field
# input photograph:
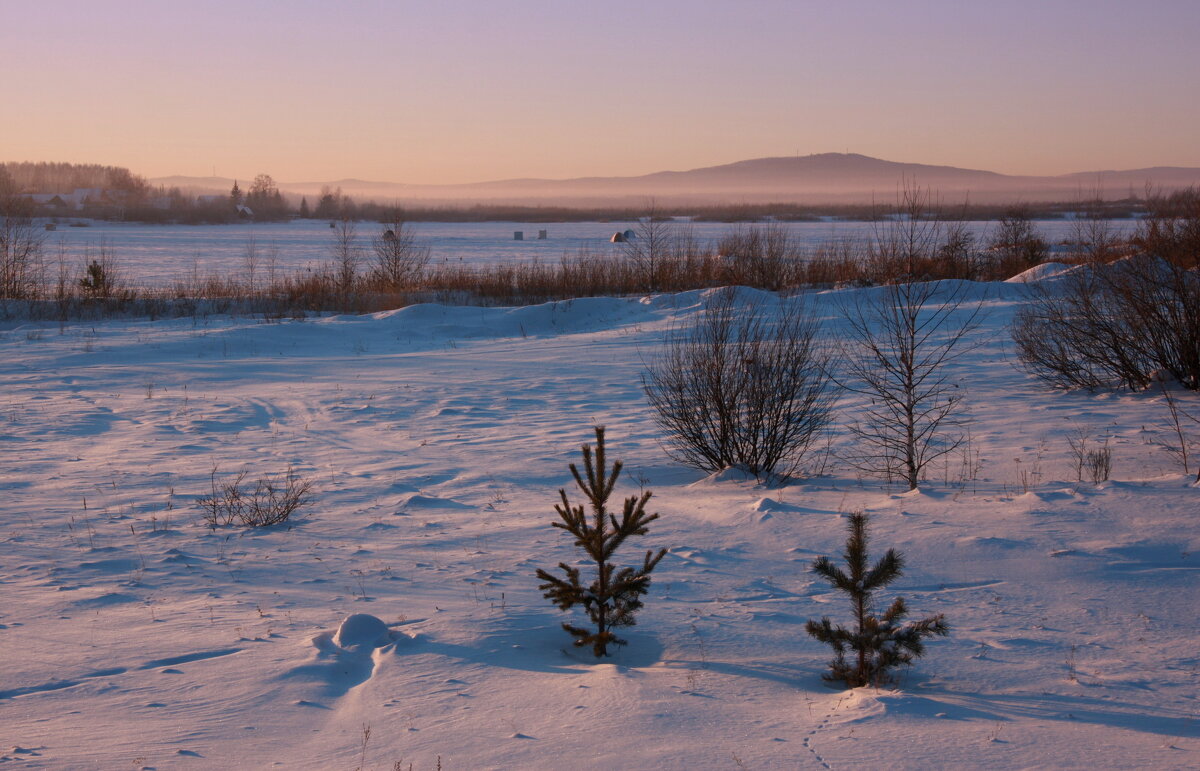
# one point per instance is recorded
(829, 178)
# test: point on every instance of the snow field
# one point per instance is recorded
(436, 438)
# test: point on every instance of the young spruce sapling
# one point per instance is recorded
(614, 596)
(878, 643)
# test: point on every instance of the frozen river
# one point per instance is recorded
(157, 255)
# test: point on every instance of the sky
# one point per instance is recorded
(448, 91)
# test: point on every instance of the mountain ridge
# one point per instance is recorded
(823, 176)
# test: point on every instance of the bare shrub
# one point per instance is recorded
(1121, 324)
(1015, 246)
(346, 256)
(900, 339)
(399, 258)
(917, 242)
(20, 252)
(1098, 463)
(1092, 461)
(762, 257)
(269, 502)
(650, 247)
(1172, 229)
(1181, 448)
(1093, 239)
(741, 389)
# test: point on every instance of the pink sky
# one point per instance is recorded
(429, 92)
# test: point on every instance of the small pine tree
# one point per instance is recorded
(878, 643)
(304, 213)
(235, 195)
(614, 596)
(96, 281)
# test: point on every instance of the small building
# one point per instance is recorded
(518, 235)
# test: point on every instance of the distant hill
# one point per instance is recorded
(822, 178)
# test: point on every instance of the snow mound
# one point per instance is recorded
(1041, 272)
(361, 630)
(729, 474)
(430, 502)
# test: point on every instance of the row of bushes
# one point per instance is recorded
(394, 268)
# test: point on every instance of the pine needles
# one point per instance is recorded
(614, 596)
(878, 643)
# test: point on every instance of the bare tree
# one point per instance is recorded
(899, 340)
(740, 389)
(650, 247)
(250, 264)
(20, 250)
(346, 256)
(399, 258)
(1015, 246)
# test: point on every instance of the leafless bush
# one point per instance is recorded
(1093, 238)
(20, 253)
(399, 258)
(269, 502)
(1099, 463)
(1181, 448)
(740, 389)
(917, 242)
(899, 342)
(647, 252)
(1119, 324)
(346, 256)
(761, 257)
(1091, 461)
(1015, 246)
(838, 262)
(1172, 229)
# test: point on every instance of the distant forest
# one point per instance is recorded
(67, 177)
(129, 197)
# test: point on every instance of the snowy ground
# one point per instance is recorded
(133, 637)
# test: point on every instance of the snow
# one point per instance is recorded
(361, 630)
(403, 598)
(1041, 272)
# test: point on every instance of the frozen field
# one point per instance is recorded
(156, 255)
(437, 437)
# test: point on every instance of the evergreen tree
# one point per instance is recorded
(235, 195)
(304, 213)
(877, 643)
(614, 596)
(96, 281)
